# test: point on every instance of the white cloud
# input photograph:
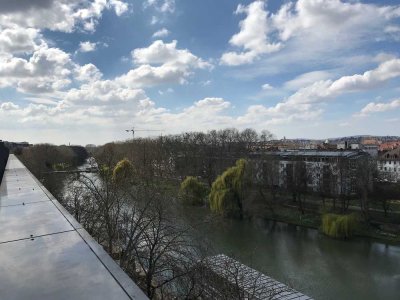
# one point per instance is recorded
(161, 33)
(304, 30)
(306, 79)
(154, 20)
(167, 53)
(322, 90)
(304, 104)
(267, 87)
(87, 46)
(19, 40)
(61, 15)
(163, 6)
(253, 36)
(331, 18)
(88, 72)
(47, 70)
(7, 106)
(370, 79)
(161, 63)
(120, 7)
(103, 92)
(373, 107)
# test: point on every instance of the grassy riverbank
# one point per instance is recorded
(284, 210)
(311, 219)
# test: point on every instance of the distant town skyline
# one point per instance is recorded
(82, 72)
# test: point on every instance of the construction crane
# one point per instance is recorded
(133, 130)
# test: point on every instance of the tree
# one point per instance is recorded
(193, 191)
(249, 138)
(227, 191)
(384, 192)
(267, 182)
(123, 171)
(365, 170)
(339, 226)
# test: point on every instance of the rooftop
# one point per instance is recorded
(255, 284)
(45, 253)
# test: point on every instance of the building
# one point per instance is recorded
(238, 281)
(389, 146)
(389, 166)
(371, 146)
(327, 172)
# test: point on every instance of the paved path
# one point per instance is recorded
(44, 251)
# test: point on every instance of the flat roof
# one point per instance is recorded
(256, 284)
(45, 253)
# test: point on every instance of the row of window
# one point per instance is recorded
(389, 162)
(389, 169)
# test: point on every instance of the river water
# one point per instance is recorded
(318, 266)
(308, 261)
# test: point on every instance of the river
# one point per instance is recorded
(308, 261)
(318, 266)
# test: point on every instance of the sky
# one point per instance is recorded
(82, 72)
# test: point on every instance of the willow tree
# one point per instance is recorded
(122, 171)
(227, 191)
(339, 226)
(193, 191)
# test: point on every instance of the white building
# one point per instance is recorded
(389, 166)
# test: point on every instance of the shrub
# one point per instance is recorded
(193, 191)
(339, 226)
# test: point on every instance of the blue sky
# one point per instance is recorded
(84, 71)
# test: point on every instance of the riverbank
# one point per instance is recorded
(304, 258)
(310, 219)
(287, 212)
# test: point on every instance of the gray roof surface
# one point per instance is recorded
(258, 285)
(44, 251)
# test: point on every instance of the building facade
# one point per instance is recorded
(389, 166)
(333, 173)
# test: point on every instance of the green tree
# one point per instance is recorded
(122, 171)
(193, 191)
(227, 191)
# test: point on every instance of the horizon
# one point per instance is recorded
(82, 72)
(274, 139)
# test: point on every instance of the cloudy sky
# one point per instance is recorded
(83, 71)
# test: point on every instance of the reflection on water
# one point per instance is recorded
(318, 266)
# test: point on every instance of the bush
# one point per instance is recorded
(193, 191)
(339, 226)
